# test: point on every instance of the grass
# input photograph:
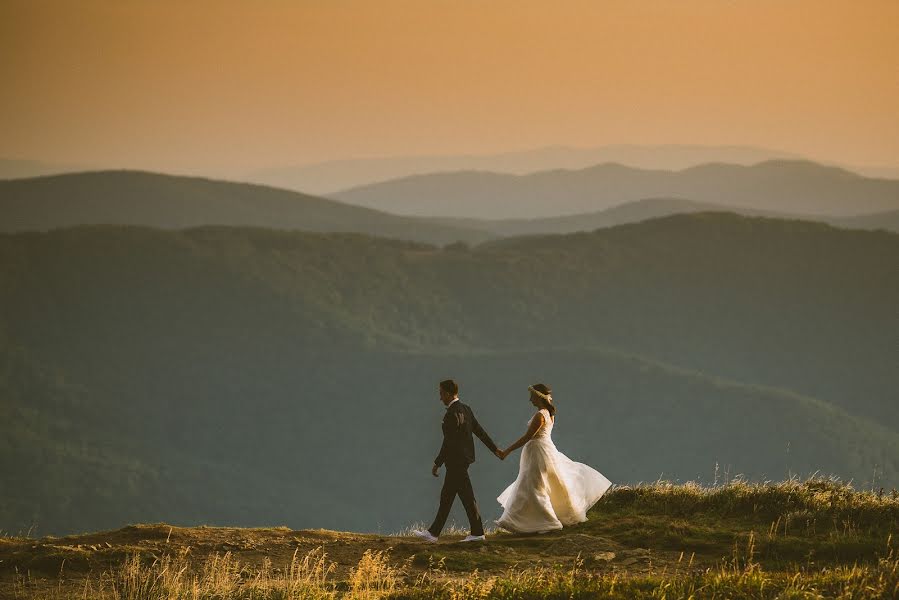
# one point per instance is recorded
(815, 498)
(795, 539)
(223, 577)
(812, 521)
(740, 579)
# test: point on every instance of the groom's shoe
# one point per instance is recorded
(425, 535)
(475, 538)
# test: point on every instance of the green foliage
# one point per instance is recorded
(56, 457)
(251, 376)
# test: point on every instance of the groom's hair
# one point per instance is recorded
(449, 386)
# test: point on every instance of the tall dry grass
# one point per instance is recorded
(792, 505)
(219, 577)
(309, 577)
(823, 498)
(740, 578)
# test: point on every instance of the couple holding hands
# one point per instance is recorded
(551, 490)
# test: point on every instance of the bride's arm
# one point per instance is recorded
(533, 428)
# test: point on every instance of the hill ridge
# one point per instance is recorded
(739, 538)
(129, 196)
(801, 187)
(175, 201)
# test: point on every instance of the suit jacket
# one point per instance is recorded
(459, 424)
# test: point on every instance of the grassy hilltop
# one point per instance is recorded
(794, 539)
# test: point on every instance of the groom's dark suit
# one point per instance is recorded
(457, 452)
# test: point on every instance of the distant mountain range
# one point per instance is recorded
(175, 202)
(649, 208)
(334, 176)
(780, 186)
(253, 376)
(338, 175)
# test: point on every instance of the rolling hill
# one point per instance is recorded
(888, 220)
(797, 187)
(175, 202)
(650, 208)
(249, 376)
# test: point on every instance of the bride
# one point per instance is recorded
(551, 490)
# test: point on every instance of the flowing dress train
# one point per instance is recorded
(551, 490)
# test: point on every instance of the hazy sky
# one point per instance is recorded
(238, 85)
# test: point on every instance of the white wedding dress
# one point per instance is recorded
(551, 489)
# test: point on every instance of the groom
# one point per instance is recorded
(457, 452)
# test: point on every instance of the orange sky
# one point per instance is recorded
(238, 85)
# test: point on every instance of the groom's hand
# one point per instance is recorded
(435, 471)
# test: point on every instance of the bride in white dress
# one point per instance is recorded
(551, 490)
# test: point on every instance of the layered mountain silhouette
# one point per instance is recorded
(177, 202)
(781, 186)
(649, 208)
(888, 220)
(250, 376)
(174, 202)
(333, 176)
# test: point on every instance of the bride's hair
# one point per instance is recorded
(544, 396)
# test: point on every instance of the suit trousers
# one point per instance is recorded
(457, 482)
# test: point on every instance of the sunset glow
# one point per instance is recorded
(242, 85)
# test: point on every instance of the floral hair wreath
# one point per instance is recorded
(547, 397)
